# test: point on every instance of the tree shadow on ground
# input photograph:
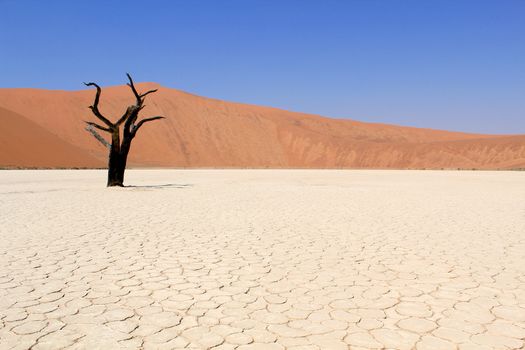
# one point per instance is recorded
(160, 186)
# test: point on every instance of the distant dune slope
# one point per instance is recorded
(202, 132)
(24, 143)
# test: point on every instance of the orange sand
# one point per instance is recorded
(203, 132)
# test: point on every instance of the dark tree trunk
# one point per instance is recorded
(116, 168)
(118, 152)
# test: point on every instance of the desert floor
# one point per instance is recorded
(262, 259)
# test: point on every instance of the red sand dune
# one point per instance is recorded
(202, 132)
(24, 143)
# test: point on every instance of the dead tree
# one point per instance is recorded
(118, 151)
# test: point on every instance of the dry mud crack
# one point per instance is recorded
(262, 259)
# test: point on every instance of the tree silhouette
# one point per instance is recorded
(118, 151)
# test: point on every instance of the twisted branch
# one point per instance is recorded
(135, 128)
(95, 125)
(147, 93)
(125, 116)
(94, 107)
(128, 118)
(135, 92)
(100, 139)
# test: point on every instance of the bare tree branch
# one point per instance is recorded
(94, 107)
(132, 86)
(125, 116)
(131, 120)
(145, 120)
(95, 125)
(147, 93)
(119, 148)
(138, 96)
(96, 135)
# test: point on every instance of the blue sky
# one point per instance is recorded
(456, 65)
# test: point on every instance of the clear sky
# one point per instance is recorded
(456, 65)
